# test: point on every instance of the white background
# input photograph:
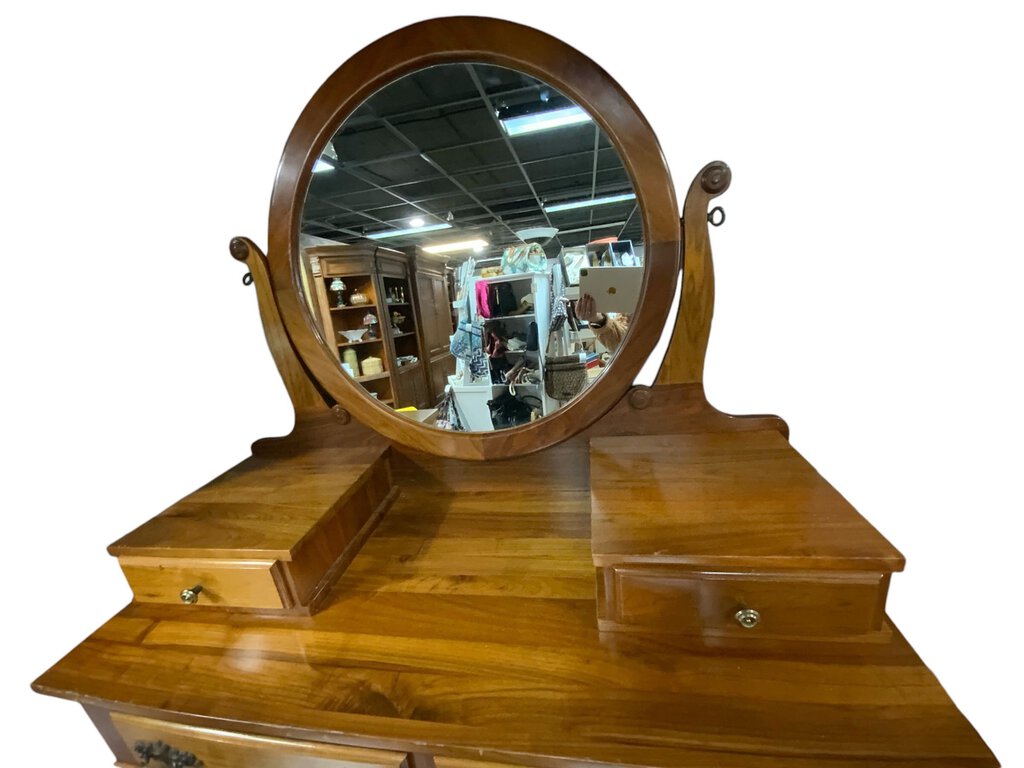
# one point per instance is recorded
(868, 280)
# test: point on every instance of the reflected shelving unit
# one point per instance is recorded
(472, 397)
(369, 288)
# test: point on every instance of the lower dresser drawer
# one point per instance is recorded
(159, 744)
(222, 583)
(780, 604)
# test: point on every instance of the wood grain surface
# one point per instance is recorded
(225, 583)
(222, 749)
(684, 359)
(745, 499)
(265, 507)
(466, 627)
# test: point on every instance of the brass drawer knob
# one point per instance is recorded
(748, 618)
(191, 596)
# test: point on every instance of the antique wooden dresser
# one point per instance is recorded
(634, 579)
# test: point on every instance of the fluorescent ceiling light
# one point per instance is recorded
(588, 203)
(322, 165)
(417, 222)
(545, 121)
(403, 232)
(462, 245)
(606, 225)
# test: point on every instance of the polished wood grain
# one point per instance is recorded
(798, 604)
(272, 533)
(501, 43)
(223, 749)
(684, 359)
(225, 583)
(689, 529)
(467, 627)
(676, 409)
(742, 499)
(264, 507)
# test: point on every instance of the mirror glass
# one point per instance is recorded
(471, 248)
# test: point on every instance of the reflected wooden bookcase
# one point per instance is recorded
(370, 288)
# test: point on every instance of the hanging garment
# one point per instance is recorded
(483, 308)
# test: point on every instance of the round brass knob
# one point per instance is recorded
(748, 618)
(191, 596)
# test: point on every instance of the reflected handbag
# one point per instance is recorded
(501, 300)
(464, 340)
(507, 410)
(565, 376)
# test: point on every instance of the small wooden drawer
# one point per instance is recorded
(265, 536)
(781, 604)
(224, 583)
(151, 740)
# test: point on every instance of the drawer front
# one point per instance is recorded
(746, 604)
(223, 749)
(225, 583)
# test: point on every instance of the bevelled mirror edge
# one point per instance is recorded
(505, 44)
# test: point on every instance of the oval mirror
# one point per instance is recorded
(471, 244)
(484, 238)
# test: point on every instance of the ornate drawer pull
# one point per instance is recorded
(748, 618)
(191, 596)
(166, 754)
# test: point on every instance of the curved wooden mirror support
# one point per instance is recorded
(525, 50)
(309, 360)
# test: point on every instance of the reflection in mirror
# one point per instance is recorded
(471, 247)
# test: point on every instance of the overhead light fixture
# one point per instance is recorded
(590, 203)
(462, 245)
(536, 233)
(544, 121)
(410, 231)
(417, 222)
(605, 225)
(322, 165)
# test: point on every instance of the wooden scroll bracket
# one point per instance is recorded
(677, 402)
(315, 411)
(684, 360)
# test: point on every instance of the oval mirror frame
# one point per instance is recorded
(506, 44)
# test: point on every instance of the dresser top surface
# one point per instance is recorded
(263, 507)
(467, 623)
(741, 499)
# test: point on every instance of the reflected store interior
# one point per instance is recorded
(471, 248)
